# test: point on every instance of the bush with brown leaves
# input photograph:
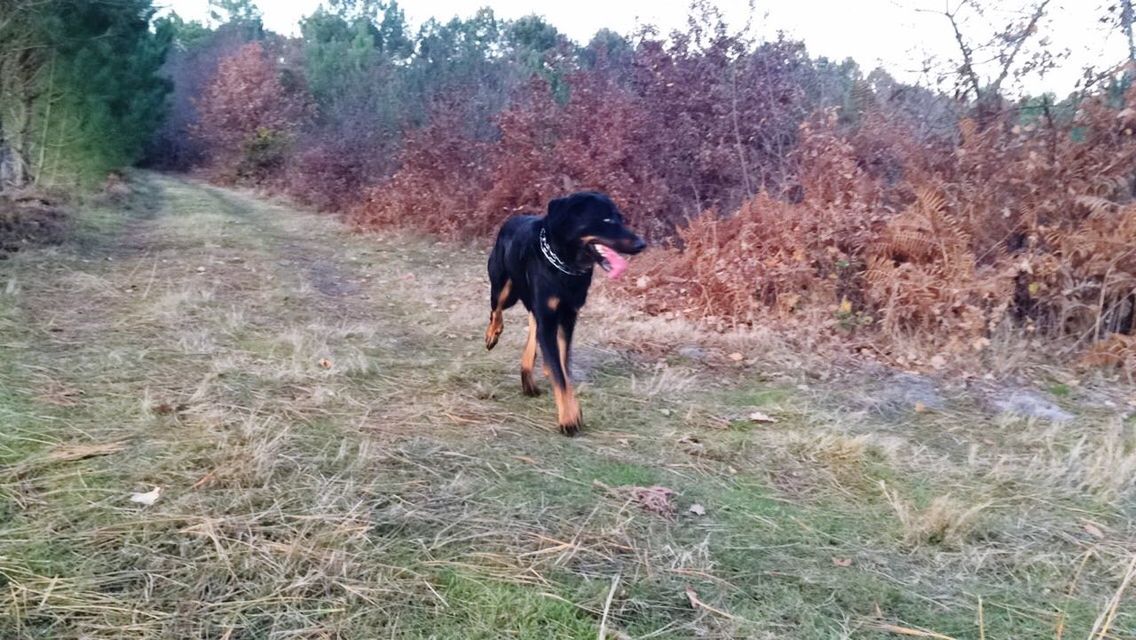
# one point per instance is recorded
(1025, 227)
(439, 184)
(249, 113)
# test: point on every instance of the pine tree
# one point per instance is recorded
(80, 92)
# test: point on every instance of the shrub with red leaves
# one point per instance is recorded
(327, 176)
(440, 181)
(249, 113)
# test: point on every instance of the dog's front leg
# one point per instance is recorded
(555, 339)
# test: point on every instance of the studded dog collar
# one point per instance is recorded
(555, 260)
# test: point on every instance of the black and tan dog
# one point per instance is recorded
(546, 263)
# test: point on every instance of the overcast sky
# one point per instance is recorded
(894, 34)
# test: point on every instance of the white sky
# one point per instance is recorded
(893, 34)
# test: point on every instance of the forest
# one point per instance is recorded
(916, 224)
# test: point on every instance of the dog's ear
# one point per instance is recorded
(557, 207)
(558, 216)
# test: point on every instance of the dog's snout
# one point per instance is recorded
(638, 245)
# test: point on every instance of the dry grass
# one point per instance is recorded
(339, 457)
(946, 521)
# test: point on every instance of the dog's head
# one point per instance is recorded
(589, 228)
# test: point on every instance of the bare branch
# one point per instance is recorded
(1019, 41)
(967, 69)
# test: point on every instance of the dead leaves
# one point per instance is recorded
(655, 499)
(166, 408)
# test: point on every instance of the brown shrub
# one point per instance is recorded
(329, 177)
(773, 254)
(1027, 226)
(249, 113)
(439, 184)
(593, 141)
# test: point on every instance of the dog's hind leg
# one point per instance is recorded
(528, 359)
(499, 300)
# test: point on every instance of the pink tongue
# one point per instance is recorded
(618, 263)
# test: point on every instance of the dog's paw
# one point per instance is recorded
(570, 430)
(491, 340)
(528, 386)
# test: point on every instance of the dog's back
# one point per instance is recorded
(515, 245)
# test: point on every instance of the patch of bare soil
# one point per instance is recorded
(29, 220)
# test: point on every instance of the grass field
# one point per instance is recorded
(338, 457)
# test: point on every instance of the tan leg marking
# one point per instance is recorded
(496, 317)
(568, 409)
(528, 359)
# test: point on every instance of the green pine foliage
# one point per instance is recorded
(89, 98)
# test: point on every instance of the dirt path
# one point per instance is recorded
(337, 456)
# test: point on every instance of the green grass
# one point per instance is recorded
(339, 457)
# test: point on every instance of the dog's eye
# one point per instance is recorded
(609, 220)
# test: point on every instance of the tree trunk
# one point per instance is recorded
(14, 145)
(17, 104)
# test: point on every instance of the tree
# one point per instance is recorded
(250, 111)
(235, 12)
(79, 87)
(1127, 21)
(24, 58)
(984, 67)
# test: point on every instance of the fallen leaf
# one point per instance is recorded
(165, 408)
(642, 282)
(697, 509)
(736, 357)
(525, 459)
(1093, 530)
(697, 603)
(148, 498)
(842, 562)
(205, 479)
(692, 597)
(325, 363)
(758, 416)
(920, 407)
(655, 499)
(938, 361)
